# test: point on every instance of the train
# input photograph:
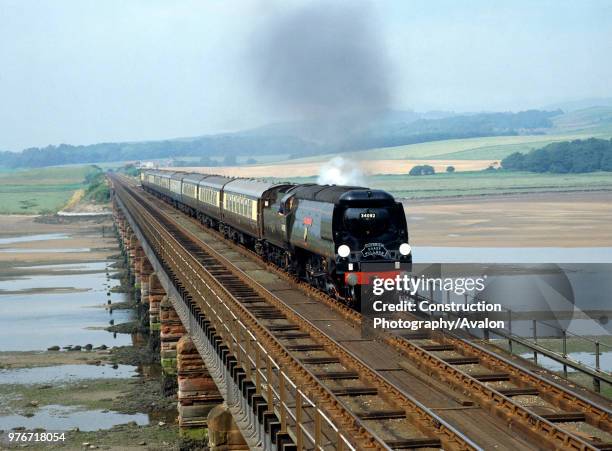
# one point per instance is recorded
(323, 234)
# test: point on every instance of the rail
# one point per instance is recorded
(311, 413)
(538, 426)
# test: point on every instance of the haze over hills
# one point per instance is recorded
(580, 104)
(307, 139)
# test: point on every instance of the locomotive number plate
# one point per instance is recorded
(374, 249)
(367, 215)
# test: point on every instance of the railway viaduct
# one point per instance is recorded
(261, 362)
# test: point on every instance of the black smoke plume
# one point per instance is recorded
(324, 63)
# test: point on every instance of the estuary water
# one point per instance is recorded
(34, 319)
(60, 305)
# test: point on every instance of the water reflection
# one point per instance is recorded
(84, 266)
(586, 358)
(63, 418)
(95, 282)
(35, 321)
(28, 238)
(16, 250)
(423, 254)
(65, 373)
(38, 321)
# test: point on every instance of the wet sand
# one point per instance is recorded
(530, 220)
(94, 389)
(33, 359)
(88, 239)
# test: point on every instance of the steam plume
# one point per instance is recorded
(339, 171)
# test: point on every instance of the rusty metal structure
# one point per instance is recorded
(290, 383)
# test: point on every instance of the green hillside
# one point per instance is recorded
(594, 119)
(482, 183)
(591, 122)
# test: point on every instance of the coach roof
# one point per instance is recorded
(215, 181)
(194, 178)
(251, 187)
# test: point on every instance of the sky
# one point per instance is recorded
(87, 71)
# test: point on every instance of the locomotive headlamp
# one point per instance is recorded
(405, 249)
(344, 251)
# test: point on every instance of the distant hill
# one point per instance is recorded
(310, 138)
(599, 117)
(580, 104)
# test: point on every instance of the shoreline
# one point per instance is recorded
(93, 388)
(568, 220)
(519, 195)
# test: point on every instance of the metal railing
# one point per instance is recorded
(300, 415)
(536, 346)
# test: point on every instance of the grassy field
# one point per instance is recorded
(483, 182)
(44, 190)
(494, 147)
(582, 124)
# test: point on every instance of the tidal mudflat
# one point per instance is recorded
(61, 368)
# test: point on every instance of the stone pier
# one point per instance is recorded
(139, 258)
(223, 434)
(205, 421)
(145, 273)
(156, 294)
(197, 392)
(171, 331)
(131, 245)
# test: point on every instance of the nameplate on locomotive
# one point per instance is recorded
(374, 250)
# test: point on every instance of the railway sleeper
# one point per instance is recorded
(415, 443)
(337, 375)
(382, 415)
(419, 335)
(461, 360)
(569, 417)
(510, 392)
(269, 315)
(440, 347)
(492, 377)
(319, 360)
(305, 347)
(291, 336)
(355, 391)
(282, 327)
(562, 417)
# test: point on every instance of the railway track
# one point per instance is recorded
(549, 414)
(365, 410)
(540, 407)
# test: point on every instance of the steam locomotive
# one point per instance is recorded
(324, 234)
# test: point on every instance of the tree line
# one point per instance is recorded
(275, 140)
(566, 157)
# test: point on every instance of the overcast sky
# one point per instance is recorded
(86, 71)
